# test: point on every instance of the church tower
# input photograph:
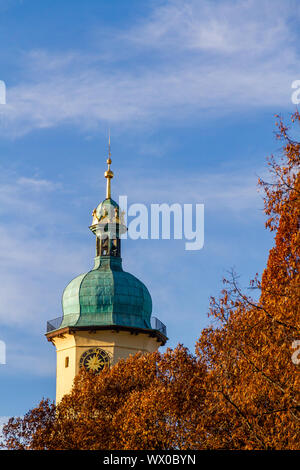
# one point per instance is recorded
(106, 311)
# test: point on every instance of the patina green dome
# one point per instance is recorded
(106, 295)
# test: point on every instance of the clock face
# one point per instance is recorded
(94, 360)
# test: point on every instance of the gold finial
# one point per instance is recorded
(108, 174)
(109, 154)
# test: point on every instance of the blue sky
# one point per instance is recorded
(189, 90)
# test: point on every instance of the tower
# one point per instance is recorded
(106, 311)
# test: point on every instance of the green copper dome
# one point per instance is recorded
(106, 295)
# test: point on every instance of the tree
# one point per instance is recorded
(143, 402)
(240, 389)
(252, 379)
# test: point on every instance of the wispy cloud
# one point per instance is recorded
(37, 184)
(230, 191)
(35, 259)
(227, 27)
(187, 59)
(22, 198)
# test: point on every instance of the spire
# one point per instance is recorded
(108, 174)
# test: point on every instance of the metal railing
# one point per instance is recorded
(54, 324)
(156, 324)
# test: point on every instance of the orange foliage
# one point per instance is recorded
(144, 402)
(252, 378)
(240, 391)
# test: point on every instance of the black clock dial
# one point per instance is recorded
(94, 360)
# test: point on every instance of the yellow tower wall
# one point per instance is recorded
(118, 345)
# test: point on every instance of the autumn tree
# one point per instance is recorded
(143, 402)
(239, 391)
(252, 380)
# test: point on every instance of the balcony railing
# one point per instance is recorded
(54, 324)
(156, 324)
